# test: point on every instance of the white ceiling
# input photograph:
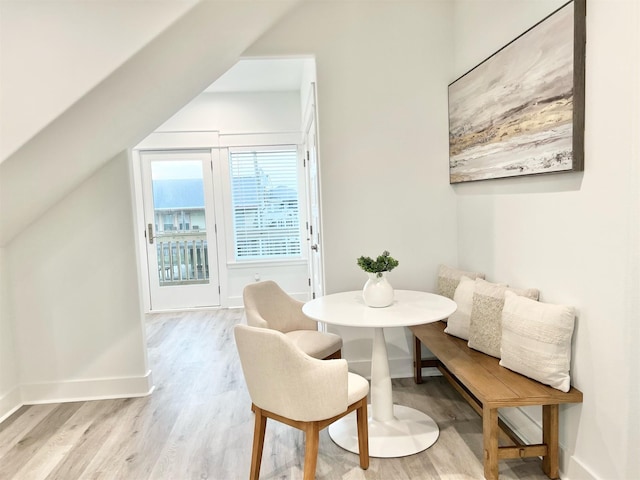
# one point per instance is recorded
(261, 75)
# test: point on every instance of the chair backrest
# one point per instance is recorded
(284, 380)
(268, 306)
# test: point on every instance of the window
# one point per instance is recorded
(168, 222)
(264, 197)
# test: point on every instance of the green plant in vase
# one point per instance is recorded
(378, 292)
(384, 263)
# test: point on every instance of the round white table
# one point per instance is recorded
(394, 430)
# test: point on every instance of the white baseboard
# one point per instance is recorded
(235, 302)
(238, 302)
(530, 432)
(398, 368)
(84, 390)
(9, 403)
(576, 470)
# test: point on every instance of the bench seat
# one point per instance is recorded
(487, 386)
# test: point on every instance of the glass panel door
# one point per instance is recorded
(181, 237)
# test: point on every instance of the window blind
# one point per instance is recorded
(264, 191)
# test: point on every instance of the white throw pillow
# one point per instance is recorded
(536, 340)
(458, 324)
(485, 324)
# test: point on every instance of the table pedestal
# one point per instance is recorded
(394, 430)
(409, 432)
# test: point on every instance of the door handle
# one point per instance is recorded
(150, 233)
(314, 247)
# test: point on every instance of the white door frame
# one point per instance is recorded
(198, 140)
(314, 214)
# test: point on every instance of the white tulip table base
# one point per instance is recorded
(409, 431)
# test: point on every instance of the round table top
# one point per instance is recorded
(409, 307)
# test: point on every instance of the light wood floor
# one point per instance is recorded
(198, 424)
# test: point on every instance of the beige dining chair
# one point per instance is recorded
(266, 305)
(309, 394)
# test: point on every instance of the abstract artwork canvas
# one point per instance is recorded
(521, 111)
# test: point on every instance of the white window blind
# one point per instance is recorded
(264, 196)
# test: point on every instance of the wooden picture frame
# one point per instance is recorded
(521, 111)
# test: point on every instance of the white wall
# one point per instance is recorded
(75, 298)
(238, 113)
(573, 236)
(382, 70)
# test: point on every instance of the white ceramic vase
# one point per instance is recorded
(377, 292)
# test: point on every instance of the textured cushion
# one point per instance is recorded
(485, 325)
(449, 277)
(284, 380)
(458, 324)
(536, 340)
(314, 343)
(358, 387)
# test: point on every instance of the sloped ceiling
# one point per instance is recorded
(129, 104)
(54, 52)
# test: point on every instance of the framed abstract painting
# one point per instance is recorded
(521, 111)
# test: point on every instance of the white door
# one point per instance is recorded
(180, 229)
(313, 203)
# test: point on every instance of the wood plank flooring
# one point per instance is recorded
(198, 424)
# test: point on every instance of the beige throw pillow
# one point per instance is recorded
(485, 325)
(449, 277)
(458, 324)
(536, 340)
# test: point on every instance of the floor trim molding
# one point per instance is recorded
(9, 403)
(84, 390)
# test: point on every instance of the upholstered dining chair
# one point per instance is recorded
(309, 394)
(266, 305)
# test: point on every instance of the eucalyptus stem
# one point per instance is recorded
(383, 263)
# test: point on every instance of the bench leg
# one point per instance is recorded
(490, 431)
(550, 420)
(417, 359)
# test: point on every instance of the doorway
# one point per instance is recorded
(226, 119)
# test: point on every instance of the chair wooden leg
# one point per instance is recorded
(258, 443)
(311, 443)
(417, 359)
(363, 433)
(550, 420)
(490, 432)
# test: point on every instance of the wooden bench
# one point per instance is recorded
(487, 387)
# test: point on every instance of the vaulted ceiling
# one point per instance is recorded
(153, 83)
